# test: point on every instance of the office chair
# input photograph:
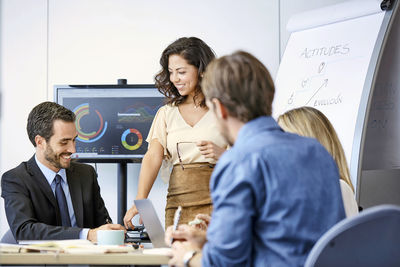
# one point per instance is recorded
(371, 238)
(8, 238)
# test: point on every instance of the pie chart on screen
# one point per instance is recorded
(131, 139)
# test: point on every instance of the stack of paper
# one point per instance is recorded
(11, 248)
(72, 246)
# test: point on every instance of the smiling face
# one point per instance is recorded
(183, 75)
(56, 153)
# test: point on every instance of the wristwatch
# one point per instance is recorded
(188, 256)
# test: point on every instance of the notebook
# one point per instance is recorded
(151, 222)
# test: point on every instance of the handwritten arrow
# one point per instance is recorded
(323, 85)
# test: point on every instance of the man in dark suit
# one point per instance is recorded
(50, 197)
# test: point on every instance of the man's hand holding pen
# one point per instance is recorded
(187, 233)
(185, 240)
(184, 232)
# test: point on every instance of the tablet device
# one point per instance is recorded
(151, 222)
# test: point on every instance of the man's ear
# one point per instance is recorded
(40, 141)
(220, 109)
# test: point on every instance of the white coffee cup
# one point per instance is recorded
(110, 237)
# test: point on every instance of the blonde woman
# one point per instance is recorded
(310, 122)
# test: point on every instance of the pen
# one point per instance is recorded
(177, 217)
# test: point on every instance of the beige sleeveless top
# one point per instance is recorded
(169, 128)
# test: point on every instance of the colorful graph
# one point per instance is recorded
(138, 112)
(125, 136)
(88, 137)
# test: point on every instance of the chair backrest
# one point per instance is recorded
(371, 238)
(8, 238)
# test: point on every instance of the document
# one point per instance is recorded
(71, 246)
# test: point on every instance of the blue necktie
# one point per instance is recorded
(62, 202)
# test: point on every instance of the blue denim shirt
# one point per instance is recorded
(274, 195)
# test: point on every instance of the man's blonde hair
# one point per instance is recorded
(308, 121)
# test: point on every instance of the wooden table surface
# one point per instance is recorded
(131, 258)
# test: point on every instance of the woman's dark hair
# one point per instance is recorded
(196, 53)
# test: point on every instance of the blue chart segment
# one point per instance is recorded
(81, 112)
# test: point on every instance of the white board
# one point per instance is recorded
(325, 65)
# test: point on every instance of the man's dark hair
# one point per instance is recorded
(242, 84)
(42, 117)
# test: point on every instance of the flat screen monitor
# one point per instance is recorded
(112, 121)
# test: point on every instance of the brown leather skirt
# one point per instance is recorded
(190, 189)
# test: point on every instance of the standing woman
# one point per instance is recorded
(310, 122)
(184, 134)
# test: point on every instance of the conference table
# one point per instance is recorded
(131, 258)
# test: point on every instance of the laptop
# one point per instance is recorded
(151, 222)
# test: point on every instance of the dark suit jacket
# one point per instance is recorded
(31, 207)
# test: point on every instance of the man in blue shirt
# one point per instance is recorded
(274, 193)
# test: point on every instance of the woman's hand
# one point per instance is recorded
(128, 217)
(210, 150)
(148, 173)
